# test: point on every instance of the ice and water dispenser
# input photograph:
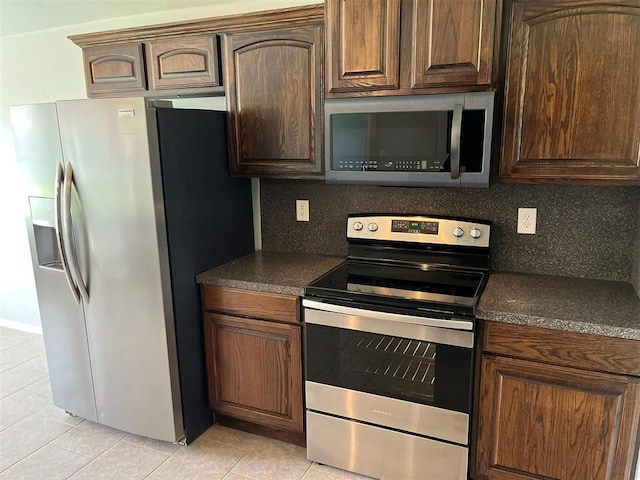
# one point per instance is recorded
(44, 231)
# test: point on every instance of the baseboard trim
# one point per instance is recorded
(25, 327)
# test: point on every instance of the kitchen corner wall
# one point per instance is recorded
(582, 231)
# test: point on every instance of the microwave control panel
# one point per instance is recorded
(388, 165)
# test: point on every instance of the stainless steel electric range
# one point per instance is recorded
(390, 347)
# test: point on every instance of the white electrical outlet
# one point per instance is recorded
(527, 220)
(302, 210)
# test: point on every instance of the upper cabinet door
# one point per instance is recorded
(363, 44)
(404, 47)
(183, 62)
(452, 42)
(113, 69)
(572, 93)
(274, 99)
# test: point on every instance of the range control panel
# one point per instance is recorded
(420, 229)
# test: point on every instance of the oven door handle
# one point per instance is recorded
(396, 317)
(418, 328)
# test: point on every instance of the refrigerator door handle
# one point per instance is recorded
(58, 228)
(67, 229)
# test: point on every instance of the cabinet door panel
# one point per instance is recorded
(362, 44)
(572, 100)
(183, 62)
(541, 421)
(257, 370)
(453, 42)
(114, 68)
(275, 102)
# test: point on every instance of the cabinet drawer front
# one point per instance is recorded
(183, 62)
(589, 352)
(114, 68)
(269, 306)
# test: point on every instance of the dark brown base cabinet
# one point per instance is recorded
(550, 421)
(254, 357)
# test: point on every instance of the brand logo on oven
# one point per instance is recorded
(381, 412)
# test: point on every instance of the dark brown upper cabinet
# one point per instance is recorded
(452, 42)
(572, 93)
(388, 47)
(186, 64)
(363, 44)
(274, 100)
(183, 62)
(114, 69)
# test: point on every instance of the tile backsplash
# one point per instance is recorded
(582, 231)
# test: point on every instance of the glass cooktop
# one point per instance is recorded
(433, 288)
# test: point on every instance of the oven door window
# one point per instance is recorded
(412, 370)
(405, 141)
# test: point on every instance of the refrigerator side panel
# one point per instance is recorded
(209, 222)
(38, 153)
(130, 328)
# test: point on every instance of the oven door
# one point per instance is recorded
(408, 373)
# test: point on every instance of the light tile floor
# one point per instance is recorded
(38, 441)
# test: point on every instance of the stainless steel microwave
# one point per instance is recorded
(426, 140)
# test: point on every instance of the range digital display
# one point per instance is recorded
(414, 226)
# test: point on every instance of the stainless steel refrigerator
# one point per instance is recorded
(125, 204)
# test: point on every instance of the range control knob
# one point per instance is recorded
(373, 227)
(475, 233)
(458, 232)
(357, 226)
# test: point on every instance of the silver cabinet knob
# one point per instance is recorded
(475, 233)
(458, 232)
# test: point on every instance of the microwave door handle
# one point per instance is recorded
(58, 228)
(456, 128)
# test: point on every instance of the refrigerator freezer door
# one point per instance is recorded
(112, 147)
(38, 151)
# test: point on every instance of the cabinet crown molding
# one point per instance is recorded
(261, 20)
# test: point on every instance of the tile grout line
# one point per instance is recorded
(41, 447)
(22, 363)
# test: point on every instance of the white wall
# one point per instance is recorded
(45, 66)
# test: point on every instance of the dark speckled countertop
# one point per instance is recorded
(266, 271)
(598, 307)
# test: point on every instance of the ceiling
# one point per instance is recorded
(21, 16)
